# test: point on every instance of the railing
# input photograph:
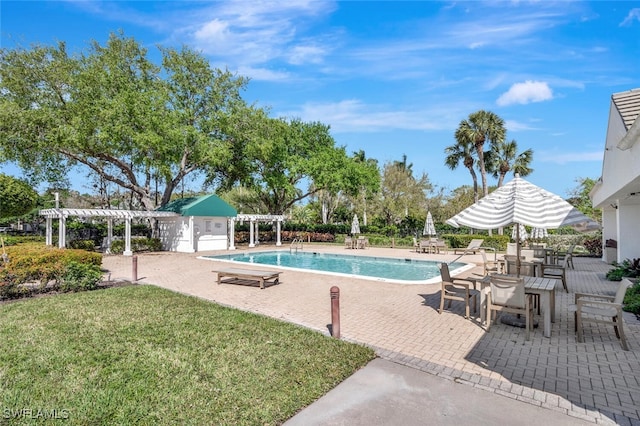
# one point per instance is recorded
(295, 244)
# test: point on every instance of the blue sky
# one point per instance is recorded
(394, 78)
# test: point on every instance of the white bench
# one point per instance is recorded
(247, 276)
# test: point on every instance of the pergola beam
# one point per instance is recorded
(127, 215)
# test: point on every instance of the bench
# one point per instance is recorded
(247, 276)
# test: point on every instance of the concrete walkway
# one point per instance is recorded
(592, 382)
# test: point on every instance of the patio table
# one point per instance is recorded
(545, 287)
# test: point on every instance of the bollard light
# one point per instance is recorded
(335, 311)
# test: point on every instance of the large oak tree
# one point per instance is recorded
(115, 112)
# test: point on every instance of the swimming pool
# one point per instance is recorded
(405, 271)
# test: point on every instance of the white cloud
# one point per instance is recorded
(355, 116)
(516, 126)
(527, 92)
(570, 157)
(634, 15)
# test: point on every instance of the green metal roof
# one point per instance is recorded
(206, 205)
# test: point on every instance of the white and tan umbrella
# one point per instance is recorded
(521, 202)
(429, 226)
(355, 225)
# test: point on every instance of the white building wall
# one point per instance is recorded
(619, 167)
(609, 232)
(206, 233)
(211, 233)
(629, 244)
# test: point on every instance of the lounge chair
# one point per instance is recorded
(473, 247)
(602, 310)
(457, 289)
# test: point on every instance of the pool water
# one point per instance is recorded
(406, 271)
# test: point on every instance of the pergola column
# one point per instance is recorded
(251, 243)
(257, 233)
(109, 235)
(232, 231)
(278, 240)
(49, 231)
(192, 236)
(127, 237)
(62, 230)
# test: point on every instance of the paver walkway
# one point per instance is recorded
(595, 381)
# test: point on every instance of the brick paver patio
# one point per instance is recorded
(596, 380)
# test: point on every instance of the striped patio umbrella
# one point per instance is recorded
(429, 227)
(539, 233)
(519, 233)
(521, 202)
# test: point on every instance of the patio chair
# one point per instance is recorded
(439, 245)
(558, 271)
(348, 242)
(566, 256)
(601, 309)
(506, 294)
(416, 245)
(526, 268)
(457, 289)
(473, 247)
(490, 266)
(363, 242)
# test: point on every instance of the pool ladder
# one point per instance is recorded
(296, 244)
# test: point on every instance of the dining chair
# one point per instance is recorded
(566, 256)
(557, 271)
(490, 267)
(506, 294)
(526, 268)
(601, 309)
(461, 289)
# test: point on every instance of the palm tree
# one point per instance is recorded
(480, 127)
(503, 158)
(462, 152)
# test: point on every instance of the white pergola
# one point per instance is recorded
(254, 220)
(126, 215)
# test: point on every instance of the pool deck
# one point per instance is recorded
(594, 381)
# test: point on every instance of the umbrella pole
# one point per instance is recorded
(518, 250)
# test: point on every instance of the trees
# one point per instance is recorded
(401, 194)
(579, 198)
(16, 197)
(481, 127)
(504, 157)
(278, 156)
(463, 152)
(114, 112)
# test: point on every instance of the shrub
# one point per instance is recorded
(628, 268)
(594, 246)
(632, 299)
(137, 245)
(80, 277)
(88, 245)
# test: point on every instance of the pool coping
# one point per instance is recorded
(435, 280)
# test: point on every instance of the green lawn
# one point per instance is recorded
(145, 355)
